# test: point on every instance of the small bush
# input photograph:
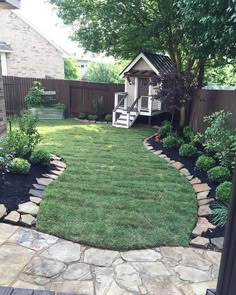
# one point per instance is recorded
(188, 150)
(223, 191)
(219, 174)
(20, 166)
(92, 117)
(108, 118)
(220, 215)
(165, 129)
(82, 116)
(188, 134)
(40, 157)
(205, 163)
(170, 142)
(165, 122)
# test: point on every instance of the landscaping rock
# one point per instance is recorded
(52, 176)
(149, 147)
(195, 181)
(205, 201)
(28, 208)
(162, 156)
(157, 152)
(12, 217)
(202, 195)
(202, 187)
(54, 157)
(36, 193)
(204, 210)
(3, 211)
(141, 255)
(100, 257)
(28, 219)
(39, 187)
(36, 200)
(202, 226)
(218, 242)
(44, 181)
(57, 172)
(178, 165)
(185, 172)
(167, 159)
(200, 242)
(58, 163)
(190, 177)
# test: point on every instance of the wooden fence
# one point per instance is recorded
(76, 95)
(206, 102)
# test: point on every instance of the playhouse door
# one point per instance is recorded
(143, 90)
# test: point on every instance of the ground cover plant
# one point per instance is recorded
(114, 193)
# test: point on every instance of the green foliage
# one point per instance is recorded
(220, 215)
(40, 157)
(98, 106)
(220, 138)
(82, 116)
(33, 98)
(188, 134)
(221, 75)
(92, 117)
(223, 191)
(106, 73)
(165, 129)
(59, 106)
(219, 174)
(170, 141)
(188, 150)
(108, 118)
(72, 71)
(205, 163)
(20, 166)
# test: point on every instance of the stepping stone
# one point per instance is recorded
(200, 242)
(205, 201)
(36, 193)
(13, 217)
(195, 181)
(39, 187)
(58, 163)
(157, 152)
(202, 226)
(178, 165)
(204, 210)
(3, 211)
(218, 242)
(28, 219)
(202, 187)
(100, 257)
(57, 172)
(185, 172)
(36, 200)
(52, 176)
(141, 255)
(28, 208)
(44, 181)
(193, 275)
(202, 195)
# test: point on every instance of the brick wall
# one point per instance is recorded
(33, 55)
(2, 106)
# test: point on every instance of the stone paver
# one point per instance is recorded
(30, 259)
(13, 217)
(3, 211)
(28, 208)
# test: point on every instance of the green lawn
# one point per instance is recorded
(114, 194)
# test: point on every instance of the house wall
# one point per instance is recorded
(130, 90)
(33, 55)
(2, 106)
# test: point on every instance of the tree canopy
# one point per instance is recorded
(72, 71)
(191, 32)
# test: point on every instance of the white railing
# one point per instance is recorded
(121, 100)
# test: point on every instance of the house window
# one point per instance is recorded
(144, 81)
(82, 66)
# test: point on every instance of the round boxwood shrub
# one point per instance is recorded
(205, 163)
(108, 118)
(40, 157)
(92, 117)
(20, 166)
(170, 142)
(219, 174)
(188, 150)
(165, 129)
(223, 191)
(82, 116)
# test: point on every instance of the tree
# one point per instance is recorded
(107, 73)
(72, 71)
(221, 75)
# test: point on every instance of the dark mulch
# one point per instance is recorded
(189, 163)
(14, 188)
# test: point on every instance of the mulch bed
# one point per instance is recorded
(14, 188)
(189, 163)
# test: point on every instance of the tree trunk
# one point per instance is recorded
(182, 116)
(200, 79)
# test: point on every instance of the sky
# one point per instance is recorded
(43, 16)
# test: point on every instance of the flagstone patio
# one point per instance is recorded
(30, 259)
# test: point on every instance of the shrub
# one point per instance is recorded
(205, 163)
(219, 174)
(165, 122)
(34, 97)
(98, 107)
(82, 116)
(188, 134)
(20, 166)
(223, 191)
(59, 106)
(108, 118)
(220, 215)
(170, 142)
(92, 117)
(165, 130)
(40, 157)
(188, 150)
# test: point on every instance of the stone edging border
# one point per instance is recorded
(202, 190)
(27, 212)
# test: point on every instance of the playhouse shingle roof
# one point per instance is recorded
(4, 47)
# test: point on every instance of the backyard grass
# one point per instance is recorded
(114, 194)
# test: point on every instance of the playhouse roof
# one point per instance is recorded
(158, 63)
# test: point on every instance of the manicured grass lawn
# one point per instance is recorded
(114, 194)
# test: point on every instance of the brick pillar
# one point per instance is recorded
(2, 106)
